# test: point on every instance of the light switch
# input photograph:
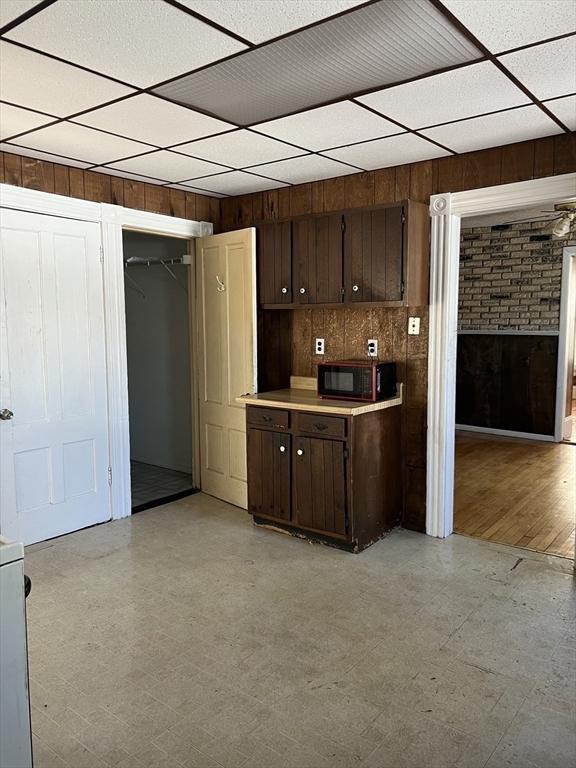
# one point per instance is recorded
(372, 347)
(413, 326)
(319, 346)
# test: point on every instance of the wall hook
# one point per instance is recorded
(220, 285)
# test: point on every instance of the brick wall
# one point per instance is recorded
(510, 277)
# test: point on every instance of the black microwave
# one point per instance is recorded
(357, 380)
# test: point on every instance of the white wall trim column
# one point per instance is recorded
(446, 211)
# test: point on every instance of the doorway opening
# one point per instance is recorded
(514, 476)
(157, 300)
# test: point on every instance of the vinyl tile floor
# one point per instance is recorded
(184, 636)
(149, 482)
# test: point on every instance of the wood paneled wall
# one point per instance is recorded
(289, 334)
(102, 188)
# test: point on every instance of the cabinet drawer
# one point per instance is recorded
(327, 426)
(268, 417)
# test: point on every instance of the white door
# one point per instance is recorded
(226, 277)
(54, 463)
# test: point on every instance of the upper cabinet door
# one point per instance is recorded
(373, 254)
(317, 253)
(274, 248)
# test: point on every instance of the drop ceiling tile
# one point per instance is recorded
(548, 70)
(156, 121)
(259, 20)
(76, 141)
(236, 183)
(330, 126)
(565, 109)
(11, 9)
(186, 188)
(14, 120)
(493, 130)
(447, 97)
(372, 46)
(38, 82)
(302, 169)
(17, 149)
(505, 25)
(127, 175)
(240, 149)
(140, 43)
(382, 153)
(169, 166)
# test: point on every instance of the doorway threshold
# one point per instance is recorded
(163, 500)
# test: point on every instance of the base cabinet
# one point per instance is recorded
(337, 479)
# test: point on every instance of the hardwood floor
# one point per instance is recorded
(517, 492)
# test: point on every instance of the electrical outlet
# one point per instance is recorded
(413, 326)
(372, 347)
(319, 346)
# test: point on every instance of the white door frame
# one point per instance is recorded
(446, 211)
(565, 338)
(113, 219)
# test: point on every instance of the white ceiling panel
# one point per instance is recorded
(385, 42)
(186, 188)
(17, 149)
(565, 109)
(259, 20)
(493, 130)
(168, 165)
(236, 183)
(395, 150)
(126, 175)
(156, 121)
(449, 96)
(71, 140)
(14, 120)
(240, 149)
(331, 126)
(510, 24)
(140, 43)
(11, 9)
(548, 70)
(302, 169)
(35, 81)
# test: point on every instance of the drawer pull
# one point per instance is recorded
(282, 449)
(267, 419)
(300, 452)
(320, 427)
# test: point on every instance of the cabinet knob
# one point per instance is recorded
(302, 290)
(282, 449)
(284, 290)
(300, 452)
(355, 288)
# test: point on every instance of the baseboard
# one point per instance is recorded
(504, 433)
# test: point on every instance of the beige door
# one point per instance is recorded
(226, 276)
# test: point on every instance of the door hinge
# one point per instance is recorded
(402, 289)
(109, 475)
(346, 521)
(101, 255)
(403, 218)
(343, 225)
(346, 453)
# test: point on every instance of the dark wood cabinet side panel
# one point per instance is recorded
(417, 255)
(393, 254)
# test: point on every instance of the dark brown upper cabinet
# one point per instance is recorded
(378, 254)
(317, 259)
(274, 260)
(373, 254)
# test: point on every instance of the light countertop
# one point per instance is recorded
(307, 400)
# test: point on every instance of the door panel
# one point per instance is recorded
(320, 484)
(373, 254)
(269, 472)
(53, 377)
(317, 249)
(226, 352)
(274, 246)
